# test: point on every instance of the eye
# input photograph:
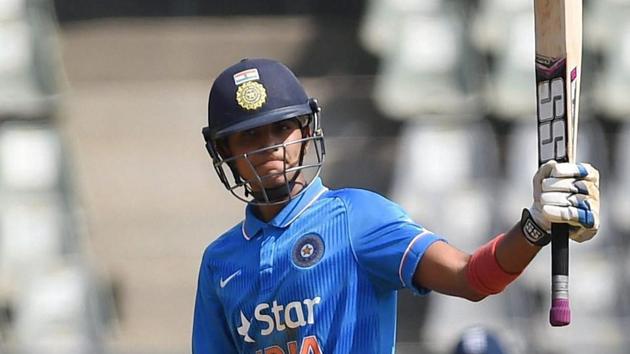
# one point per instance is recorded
(249, 132)
(284, 126)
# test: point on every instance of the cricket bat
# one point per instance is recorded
(558, 26)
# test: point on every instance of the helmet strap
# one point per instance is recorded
(276, 194)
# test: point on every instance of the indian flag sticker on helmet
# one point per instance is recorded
(251, 95)
(245, 76)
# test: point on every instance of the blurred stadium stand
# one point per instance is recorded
(54, 296)
(29, 60)
(406, 86)
(463, 166)
(393, 29)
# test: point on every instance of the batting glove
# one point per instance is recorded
(566, 193)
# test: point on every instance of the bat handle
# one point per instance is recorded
(560, 313)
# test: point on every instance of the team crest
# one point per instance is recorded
(308, 250)
(251, 95)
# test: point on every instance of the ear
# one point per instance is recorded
(307, 131)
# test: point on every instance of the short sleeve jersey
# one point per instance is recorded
(321, 277)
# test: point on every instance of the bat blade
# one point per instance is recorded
(558, 26)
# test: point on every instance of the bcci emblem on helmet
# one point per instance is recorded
(308, 250)
(251, 95)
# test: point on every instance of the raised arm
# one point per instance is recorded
(445, 268)
(567, 193)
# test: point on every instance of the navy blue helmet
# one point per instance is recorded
(478, 340)
(250, 94)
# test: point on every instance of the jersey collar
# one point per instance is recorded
(252, 225)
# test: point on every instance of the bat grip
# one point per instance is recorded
(560, 313)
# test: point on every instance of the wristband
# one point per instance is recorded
(484, 273)
(533, 233)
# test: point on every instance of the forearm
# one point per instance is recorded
(514, 252)
(499, 262)
(487, 271)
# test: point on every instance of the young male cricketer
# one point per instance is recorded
(312, 270)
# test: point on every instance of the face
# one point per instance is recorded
(270, 162)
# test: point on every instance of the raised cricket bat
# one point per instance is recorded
(558, 69)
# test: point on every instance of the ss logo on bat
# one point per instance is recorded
(551, 120)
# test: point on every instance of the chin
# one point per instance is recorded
(273, 182)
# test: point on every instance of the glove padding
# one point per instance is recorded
(567, 193)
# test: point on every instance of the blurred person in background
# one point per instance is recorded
(478, 340)
(312, 270)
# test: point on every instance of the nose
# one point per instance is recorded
(269, 138)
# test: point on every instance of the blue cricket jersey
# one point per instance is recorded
(321, 277)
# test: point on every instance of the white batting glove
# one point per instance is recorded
(567, 193)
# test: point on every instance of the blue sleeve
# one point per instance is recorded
(386, 242)
(210, 331)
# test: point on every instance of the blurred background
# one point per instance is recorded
(108, 197)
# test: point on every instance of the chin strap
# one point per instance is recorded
(277, 194)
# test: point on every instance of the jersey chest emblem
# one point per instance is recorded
(308, 250)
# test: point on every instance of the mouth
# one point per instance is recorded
(270, 163)
(270, 168)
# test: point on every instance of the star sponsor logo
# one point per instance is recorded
(272, 317)
(308, 250)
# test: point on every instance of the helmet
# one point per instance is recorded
(478, 340)
(250, 94)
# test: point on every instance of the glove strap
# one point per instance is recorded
(533, 233)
